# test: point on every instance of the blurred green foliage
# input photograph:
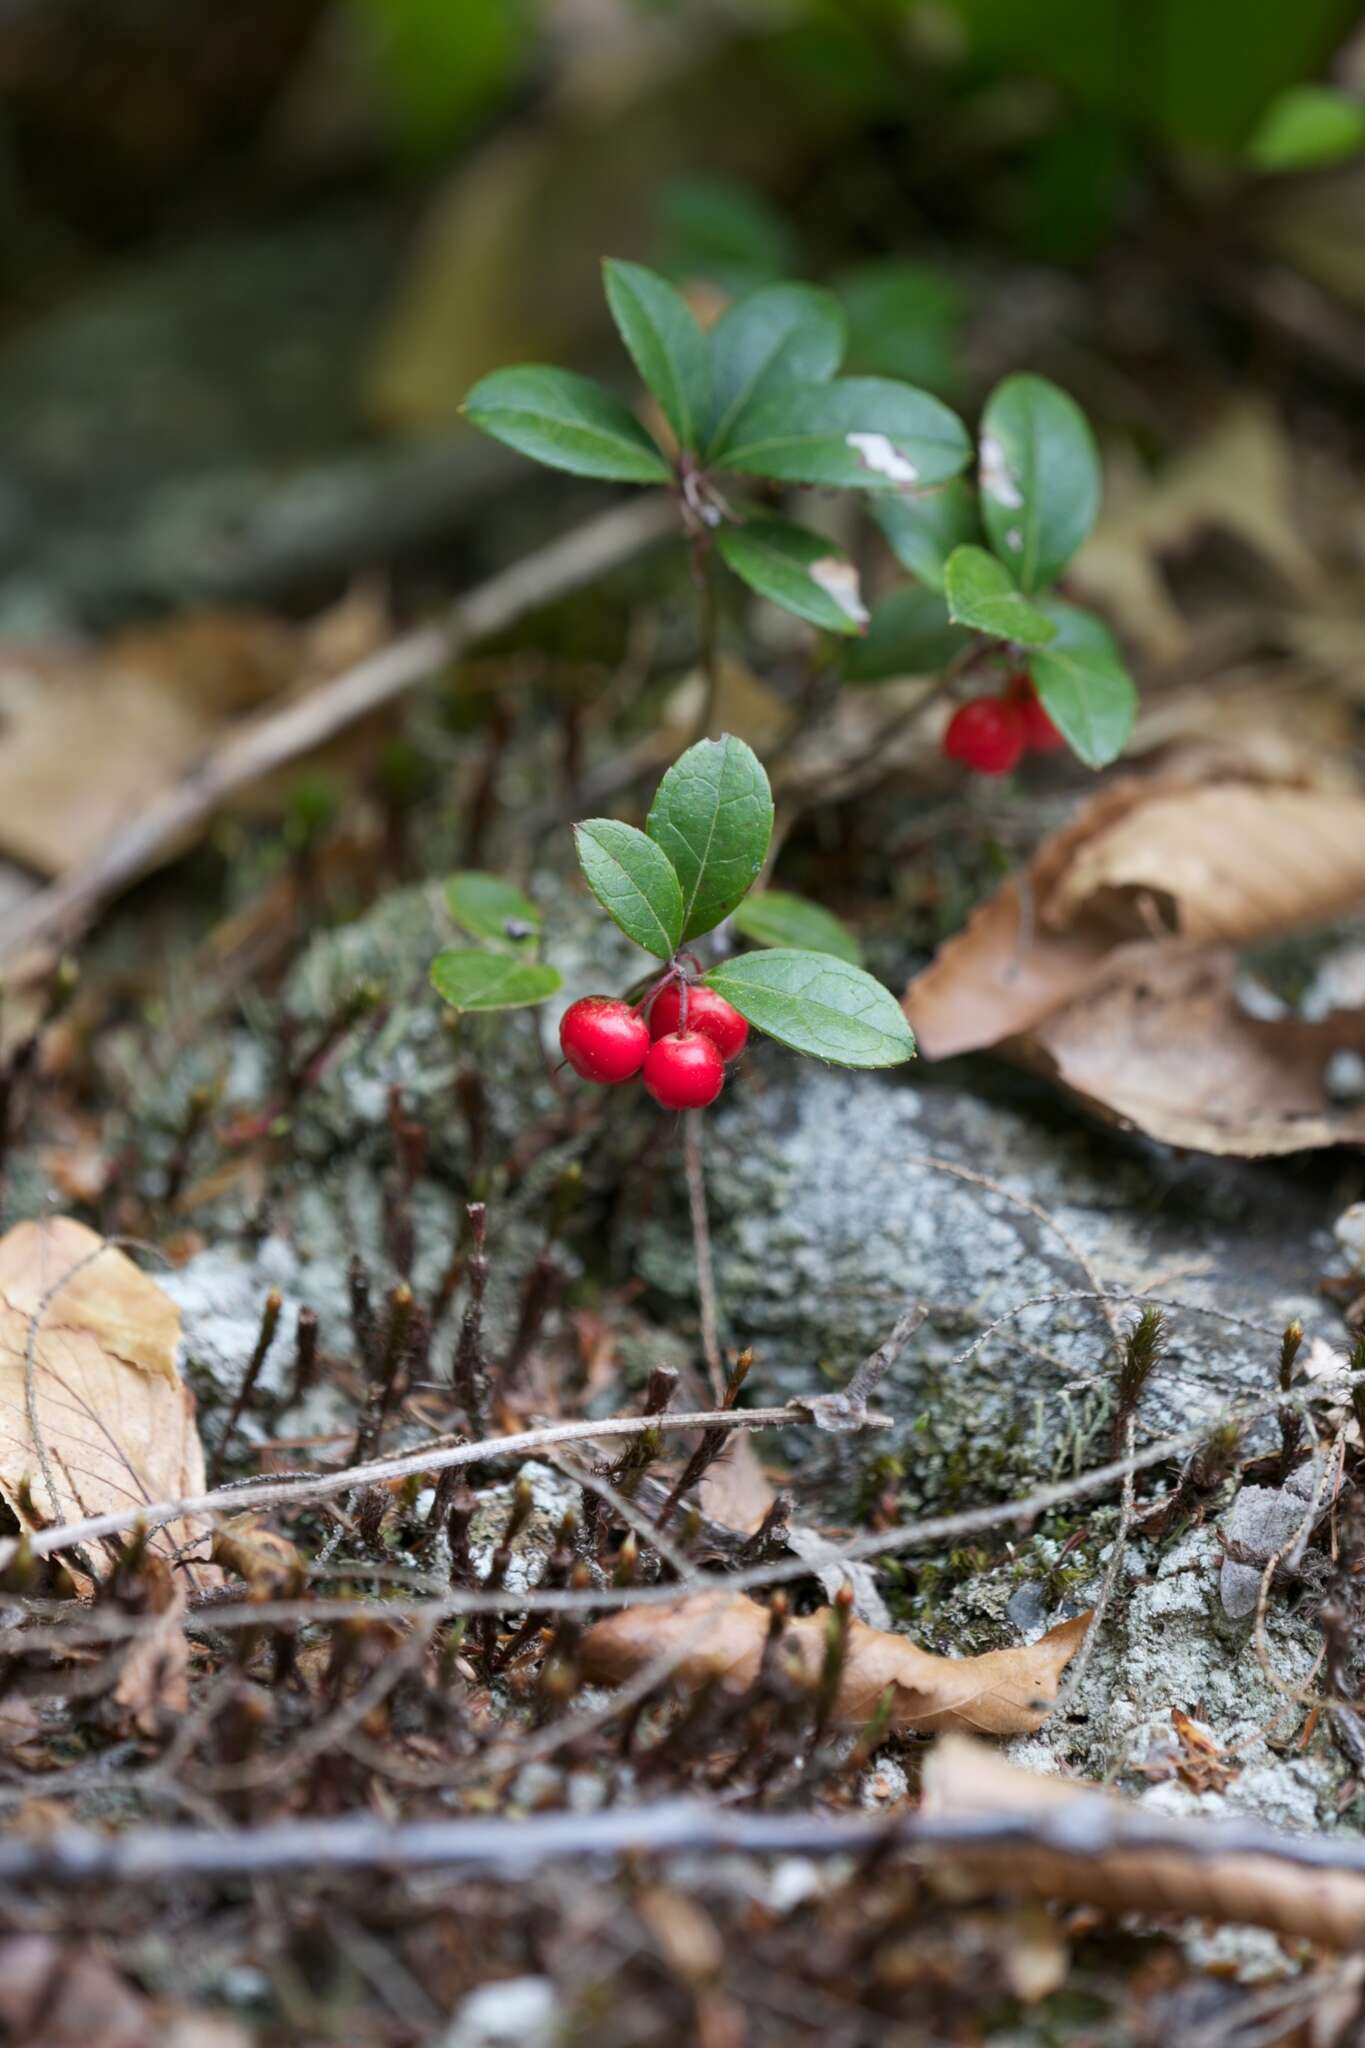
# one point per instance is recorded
(439, 65)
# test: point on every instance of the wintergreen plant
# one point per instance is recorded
(758, 398)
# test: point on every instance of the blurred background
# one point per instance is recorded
(253, 256)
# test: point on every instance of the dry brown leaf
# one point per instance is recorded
(963, 1778)
(1162, 1043)
(154, 1678)
(98, 1416)
(735, 1491)
(721, 1635)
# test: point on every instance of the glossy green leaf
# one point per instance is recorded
(799, 570)
(923, 530)
(713, 816)
(633, 880)
(910, 634)
(1083, 685)
(817, 1004)
(858, 433)
(981, 594)
(775, 917)
(490, 909)
(474, 980)
(1040, 478)
(666, 345)
(566, 422)
(785, 334)
(1307, 126)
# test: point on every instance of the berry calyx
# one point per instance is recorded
(1040, 734)
(684, 1071)
(603, 1039)
(706, 1012)
(986, 734)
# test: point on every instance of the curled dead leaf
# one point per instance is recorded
(721, 1636)
(97, 1416)
(963, 1778)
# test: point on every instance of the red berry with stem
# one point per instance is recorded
(684, 1071)
(706, 1012)
(1040, 734)
(986, 734)
(603, 1039)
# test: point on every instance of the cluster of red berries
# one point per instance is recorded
(682, 1063)
(992, 734)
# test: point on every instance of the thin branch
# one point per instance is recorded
(278, 737)
(701, 1246)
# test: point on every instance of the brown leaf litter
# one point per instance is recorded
(721, 1636)
(97, 1414)
(1111, 963)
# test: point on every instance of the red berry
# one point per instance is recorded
(1040, 734)
(684, 1071)
(986, 734)
(706, 1012)
(603, 1039)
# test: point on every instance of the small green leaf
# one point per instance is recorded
(1040, 478)
(474, 980)
(858, 433)
(910, 634)
(1307, 126)
(666, 345)
(1083, 685)
(924, 530)
(981, 594)
(817, 1004)
(566, 422)
(634, 882)
(784, 334)
(775, 917)
(799, 570)
(490, 909)
(713, 816)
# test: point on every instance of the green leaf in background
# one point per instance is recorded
(910, 634)
(726, 232)
(713, 816)
(923, 530)
(565, 421)
(981, 593)
(905, 320)
(1083, 685)
(1307, 126)
(799, 570)
(1040, 478)
(784, 334)
(633, 880)
(474, 980)
(858, 433)
(775, 917)
(666, 345)
(817, 1004)
(437, 67)
(490, 909)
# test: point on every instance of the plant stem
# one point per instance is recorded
(701, 1245)
(708, 624)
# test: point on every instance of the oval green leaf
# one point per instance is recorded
(910, 634)
(1307, 126)
(1084, 687)
(475, 980)
(797, 569)
(776, 917)
(666, 345)
(633, 880)
(981, 594)
(566, 422)
(1040, 478)
(713, 816)
(784, 334)
(924, 530)
(858, 433)
(490, 909)
(817, 1004)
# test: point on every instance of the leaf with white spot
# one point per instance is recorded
(1040, 478)
(856, 433)
(796, 569)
